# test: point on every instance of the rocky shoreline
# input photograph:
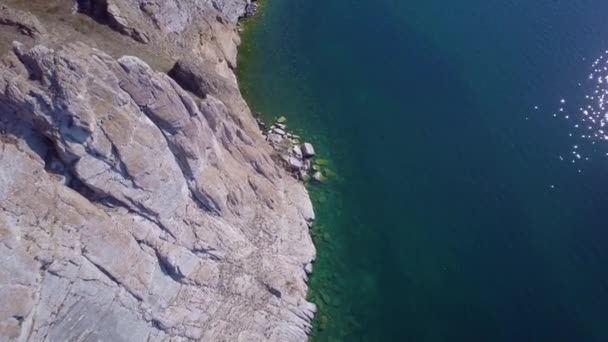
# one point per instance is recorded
(139, 200)
(296, 156)
(251, 9)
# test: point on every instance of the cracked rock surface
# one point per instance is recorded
(135, 206)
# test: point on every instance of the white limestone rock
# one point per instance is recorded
(131, 210)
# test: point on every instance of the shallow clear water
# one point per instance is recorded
(452, 216)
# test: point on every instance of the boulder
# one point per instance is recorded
(308, 268)
(297, 151)
(308, 150)
(274, 138)
(295, 163)
(278, 131)
(201, 79)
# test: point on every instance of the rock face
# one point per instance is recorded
(135, 206)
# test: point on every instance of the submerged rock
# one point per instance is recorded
(318, 176)
(326, 298)
(323, 322)
(329, 173)
(304, 176)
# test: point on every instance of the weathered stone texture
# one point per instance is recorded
(134, 210)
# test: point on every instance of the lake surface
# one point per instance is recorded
(470, 201)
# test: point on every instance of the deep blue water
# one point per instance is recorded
(451, 217)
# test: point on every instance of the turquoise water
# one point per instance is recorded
(451, 216)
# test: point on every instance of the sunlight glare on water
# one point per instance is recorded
(588, 131)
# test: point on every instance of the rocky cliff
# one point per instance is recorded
(138, 199)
